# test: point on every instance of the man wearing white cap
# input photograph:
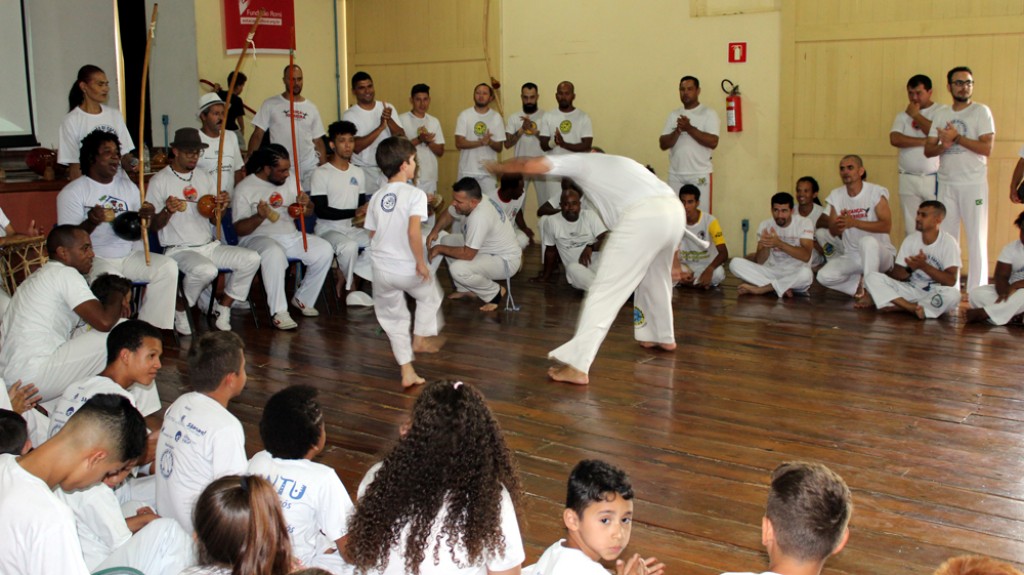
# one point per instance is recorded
(211, 114)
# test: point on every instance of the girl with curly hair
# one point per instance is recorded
(444, 498)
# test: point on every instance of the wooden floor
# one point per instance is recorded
(924, 420)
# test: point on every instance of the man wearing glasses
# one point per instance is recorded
(963, 135)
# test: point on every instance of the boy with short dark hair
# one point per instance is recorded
(13, 433)
(598, 518)
(316, 504)
(809, 509)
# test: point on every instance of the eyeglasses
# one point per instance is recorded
(962, 83)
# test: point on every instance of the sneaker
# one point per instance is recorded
(223, 316)
(284, 321)
(303, 309)
(181, 322)
(358, 298)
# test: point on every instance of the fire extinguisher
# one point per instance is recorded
(733, 107)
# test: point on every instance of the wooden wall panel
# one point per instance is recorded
(846, 62)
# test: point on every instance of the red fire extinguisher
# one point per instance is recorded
(733, 107)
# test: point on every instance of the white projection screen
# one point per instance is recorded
(17, 128)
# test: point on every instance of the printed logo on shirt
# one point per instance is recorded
(937, 301)
(639, 319)
(295, 492)
(979, 202)
(116, 204)
(106, 128)
(190, 193)
(276, 200)
(388, 202)
(480, 128)
(299, 115)
(167, 463)
(353, 181)
(565, 127)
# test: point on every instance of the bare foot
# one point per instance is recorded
(975, 315)
(459, 295)
(919, 312)
(753, 289)
(864, 300)
(861, 293)
(493, 304)
(744, 289)
(431, 344)
(654, 344)
(568, 374)
(410, 377)
(788, 293)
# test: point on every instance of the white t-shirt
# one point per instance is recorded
(861, 207)
(274, 115)
(37, 530)
(513, 556)
(342, 188)
(199, 442)
(528, 145)
(571, 238)
(75, 396)
(1012, 254)
(612, 184)
(816, 213)
(472, 126)
(99, 521)
(489, 231)
(40, 317)
(247, 196)
(4, 222)
(388, 216)
(186, 228)
(511, 208)
(912, 160)
(78, 124)
(799, 228)
(78, 197)
(367, 121)
(943, 253)
(425, 159)
(313, 499)
(561, 560)
(231, 163)
(574, 126)
(960, 165)
(707, 228)
(687, 156)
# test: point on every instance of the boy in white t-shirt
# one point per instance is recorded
(598, 519)
(809, 508)
(1003, 299)
(316, 504)
(702, 267)
(400, 267)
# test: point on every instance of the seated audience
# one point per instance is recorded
(785, 243)
(702, 267)
(1001, 301)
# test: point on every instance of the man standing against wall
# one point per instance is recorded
(964, 134)
(909, 133)
(522, 132)
(567, 129)
(479, 133)
(375, 122)
(424, 131)
(690, 134)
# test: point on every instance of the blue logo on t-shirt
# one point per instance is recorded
(388, 202)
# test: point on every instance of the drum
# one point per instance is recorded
(19, 258)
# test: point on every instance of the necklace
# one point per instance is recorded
(190, 174)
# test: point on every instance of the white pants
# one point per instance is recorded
(702, 181)
(162, 274)
(201, 266)
(478, 274)
(717, 276)
(831, 245)
(998, 313)
(782, 279)
(522, 238)
(970, 203)
(160, 548)
(346, 246)
(636, 256)
(935, 302)
(393, 312)
(82, 356)
(843, 273)
(915, 189)
(274, 253)
(546, 188)
(375, 179)
(580, 276)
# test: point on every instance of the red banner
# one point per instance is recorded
(274, 35)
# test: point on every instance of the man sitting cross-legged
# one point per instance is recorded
(784, 246)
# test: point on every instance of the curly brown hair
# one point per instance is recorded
(454, 457)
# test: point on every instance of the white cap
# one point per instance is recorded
(207, 100)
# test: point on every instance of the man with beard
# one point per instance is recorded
(521, 133)
(479, 133)
(785, 243)
(576, 235)
(260, 210)
(691, 134)
(375, 122)
(211, 115)
(963, 135)
(566, 129)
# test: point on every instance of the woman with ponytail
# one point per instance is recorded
(88, 111)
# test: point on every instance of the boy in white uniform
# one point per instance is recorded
(37, 530)
(926, 278)
(424, 131)
(809, 508)
(479, 133)
(598, 519)
(511, 197)
(577, 235)
(200, 439)
(859, 213)
(699, 268)
(339, 195)
(647, 223)
(88, 200)
(784, 247)
(567, 129)
(393, 220)
(375, 122)
(261, 210)
(316, 505)
(211, 115)
(1001, 301)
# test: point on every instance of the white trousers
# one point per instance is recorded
(478, 274)
(843, 273)
(717, 276)
(82, 356)
(702, 181)
(545, 188)
(969, 202)
(935, 302)
(782, 279)
(162, 274)
(831, 245)
(915, 189)
(160, 548)
(636, 256)
(346, 246)
(274, 253)
(580, 276)
(998, 313)
(201, 266)
(393, 312)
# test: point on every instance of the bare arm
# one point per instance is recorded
(545, 143)
(1015, 180)
(455, 252)
(255, 139)
(535, 166)
(248, 225)
(898, 140)
(101, 316)
(321, 150)
(415, 237)
(443, 220)
(982, 146)
(584, 146)
(882, 226)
